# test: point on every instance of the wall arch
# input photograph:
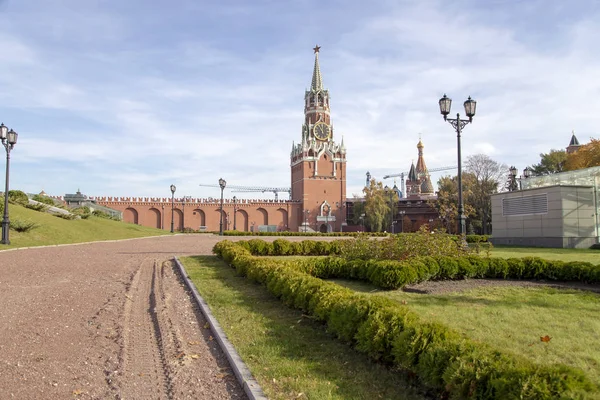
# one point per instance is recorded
(264, 216)
(284, 224)
(154, 218)
(177, 220)
(242, 221)
(130, 215)
(198, 218)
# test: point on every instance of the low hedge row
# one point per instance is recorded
(282, 247)
(441, 358)
(469, 238)
(392, 274)
(389, 274)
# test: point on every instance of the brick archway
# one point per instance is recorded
(154, 218)
(199, 218)
(284, 224)
(130, 215)
(242, 220)
(265, 216)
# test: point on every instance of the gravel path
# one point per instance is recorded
(107, 320)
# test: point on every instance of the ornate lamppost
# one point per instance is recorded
(512, 179)
(458, 124)
(401, 213)
(222, 184)
(173, 188)
(234, 212)
(9, 139)
(306, 212)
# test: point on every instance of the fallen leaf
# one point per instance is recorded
(77, 392)
(194, 356)
(211, 338)
(222, 375)
(180, 355)
(545, 339)
(206, 325)
(194, 342)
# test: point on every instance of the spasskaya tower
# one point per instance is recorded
(318, 163)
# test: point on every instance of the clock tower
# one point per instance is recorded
(318, 164)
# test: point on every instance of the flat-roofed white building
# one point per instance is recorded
(557, 210)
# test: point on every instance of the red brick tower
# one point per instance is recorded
(318, 164)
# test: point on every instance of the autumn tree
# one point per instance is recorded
(447, 200)
(550, 163)
(358, 208)
(488, 174)
(377, 205)
(587, 156)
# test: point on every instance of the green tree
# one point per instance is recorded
(488, 174)
(358, 208)
(447, 200)
(550, 163)
(377, 206)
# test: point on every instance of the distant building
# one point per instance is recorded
(556, 210)
(573, 144)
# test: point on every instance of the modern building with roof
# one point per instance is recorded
(555, 210)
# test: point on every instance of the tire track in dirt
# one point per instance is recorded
(145, 374)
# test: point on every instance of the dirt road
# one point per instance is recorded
(107, 320)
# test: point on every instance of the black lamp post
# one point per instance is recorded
(362, 221)
(222, 184)
(512, 179)
(458, 124)
(402, 212)
(173, 188)
(9, 139)
(234, 211)
(306, 212)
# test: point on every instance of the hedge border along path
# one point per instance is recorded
(441, 358)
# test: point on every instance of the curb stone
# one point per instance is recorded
(241, 371)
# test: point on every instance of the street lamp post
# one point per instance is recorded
(512, 179)
(183, 213)
(9, 139)
(173, 188)
(459, 124)
(306, 212)
(234, 212)
(222, 185)
(362, 221)
(401, 213)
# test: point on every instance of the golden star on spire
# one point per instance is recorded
(317, 48)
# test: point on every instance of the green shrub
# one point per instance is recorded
(37, 207)
(44, 199)
(19, 225)
(68, 217)
(18, 197)
(443, 360)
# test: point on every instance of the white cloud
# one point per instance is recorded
(124, 99)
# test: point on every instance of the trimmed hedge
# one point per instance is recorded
(469, 238)
(393, 274)
(442, 359)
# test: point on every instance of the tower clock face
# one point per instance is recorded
(322, 131)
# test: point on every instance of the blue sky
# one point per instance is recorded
(124, 98)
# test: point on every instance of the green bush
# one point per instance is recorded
(18, 197)
(19, 225)
(37, 207)
(44, 199)
(442, 359)
(68, 217)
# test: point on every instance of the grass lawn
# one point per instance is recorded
(290, 355)
(513, 319)
(588, 255)
(55, 230)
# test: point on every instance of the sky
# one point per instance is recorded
(125, 98)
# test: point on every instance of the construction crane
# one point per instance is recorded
(255, 189)
(403, 174)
